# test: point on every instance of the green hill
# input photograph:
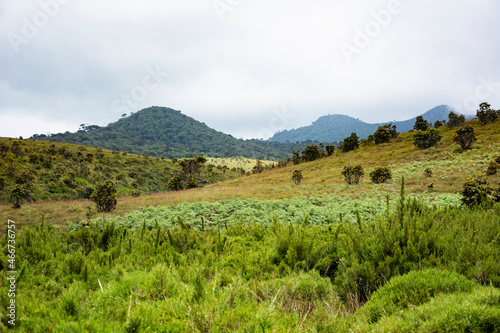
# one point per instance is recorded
(52, 171)
(159, 131)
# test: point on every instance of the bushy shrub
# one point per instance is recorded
(352, 175)
(454, 120)
(428, 172)
(381, 135)
(414, 288)
(349, 143)
(477, 191)
(175, 183)
(380, 175)
(486, 114)
(493, 167)
(465, 137)
(428, 138)
(421, 124)
(297, 177)
(104, 196)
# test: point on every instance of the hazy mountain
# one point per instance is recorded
(160, 131)
(334, 128)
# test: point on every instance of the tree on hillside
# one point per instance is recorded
(18, 195)
(455, 120)
(104, 196)
(427, 139)
(297, 177)
(311, 153)
(352, 175)
(258, 168)
(381, 135)
(486, 114)
(465, 137)
(330, 149)
(349, 143)
(191, 168)
(421, 124)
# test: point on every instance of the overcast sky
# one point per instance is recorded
(244, 67)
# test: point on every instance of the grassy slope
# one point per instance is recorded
(449, 163)
(244, 163)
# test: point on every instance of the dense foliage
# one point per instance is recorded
(465, 137)
(486, 114)
(158, 131)
(455, 120)
(38, 170)
(352, 175)
(350, 143)
(104, 197)
(291, 275)
(380, 175)
(428, 138)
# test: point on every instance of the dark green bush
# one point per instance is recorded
(352, 175)
(380, 175)
(465, 137)
(297, 177)
(477, 191)
(104, 196)
(427, 139)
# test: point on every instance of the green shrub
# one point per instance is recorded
(427, 139)
(486, 114)
(381, 135)
(352, 175)
(349, 143)
(380, 175)
(476, 311)
(465, 137)
(414, 288)
(454, 120)
(493, 167)
(421, 124)
(104, 196)
(297, 177)
(477, 191)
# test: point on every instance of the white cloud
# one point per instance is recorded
(232, 73)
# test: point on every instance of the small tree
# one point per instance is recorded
(352, 175)
(311, 153)
(392, 130)
(330, 149)
(380, 175)
(421, 124)
(438, 123)
(476, 191)
(350, 143)
(486, 114)
(382, 135)
(104, 196)
(493, 167)
(427, 139)
(18, 195)
(297, 177)
(465, 137)
(455, 120)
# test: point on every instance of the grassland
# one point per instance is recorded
(244, 163)
(450, 166)
(259, 254)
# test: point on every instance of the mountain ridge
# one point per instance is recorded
(336, 127)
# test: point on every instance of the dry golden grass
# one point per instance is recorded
(450, 167)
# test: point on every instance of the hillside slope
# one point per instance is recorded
(449, 164)
(54, 171)
(159, 131)
(334, 128)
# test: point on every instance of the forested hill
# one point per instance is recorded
(160, 131)
(334, 128)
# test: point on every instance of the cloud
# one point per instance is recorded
(233, 72)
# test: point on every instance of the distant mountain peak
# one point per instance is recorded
(336, 127)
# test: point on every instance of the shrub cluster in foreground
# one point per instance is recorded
(245, 276)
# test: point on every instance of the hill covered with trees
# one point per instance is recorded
(39, 170)
(333, 128)
(160, 131)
